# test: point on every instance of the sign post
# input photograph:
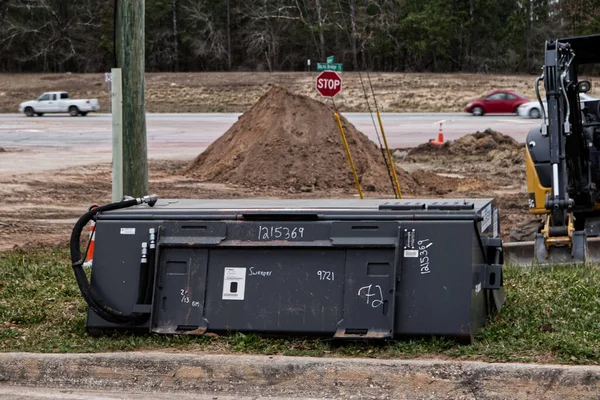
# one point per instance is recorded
(108, 81)
(117, 128)
(329, 84)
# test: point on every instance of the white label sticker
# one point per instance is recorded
(411, 253)
(487, 217)
(234, 283)
(127, 231)
(496, 230)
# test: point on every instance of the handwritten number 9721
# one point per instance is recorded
(326, 275)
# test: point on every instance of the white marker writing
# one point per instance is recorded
(376, 302)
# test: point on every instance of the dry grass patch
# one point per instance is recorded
(236, 92)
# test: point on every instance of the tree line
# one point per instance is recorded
(281, 35)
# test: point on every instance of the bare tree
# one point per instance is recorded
(427, 35)
(353, 32)
(175, 35)
(269, 22)
(210, 41)
(228, 35)
(59, 35)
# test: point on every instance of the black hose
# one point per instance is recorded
(94, 301)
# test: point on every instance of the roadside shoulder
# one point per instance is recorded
(247, 375)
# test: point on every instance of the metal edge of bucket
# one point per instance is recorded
(522, 254)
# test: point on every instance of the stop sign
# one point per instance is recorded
(329, 83)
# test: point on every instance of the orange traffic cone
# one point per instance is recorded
(440, 138)
(89, 256)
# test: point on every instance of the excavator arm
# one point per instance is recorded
(562, 161)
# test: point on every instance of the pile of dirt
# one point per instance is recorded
(516, 223)
(475, 144)
(508, 158)
(526, 230)
(436, 184)
(288, 141)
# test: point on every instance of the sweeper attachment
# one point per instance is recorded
(333, 268)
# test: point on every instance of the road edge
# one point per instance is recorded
(247, 375)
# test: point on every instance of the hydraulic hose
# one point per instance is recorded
(539, 98)
(94, 301)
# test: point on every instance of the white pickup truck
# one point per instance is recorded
(58, 102)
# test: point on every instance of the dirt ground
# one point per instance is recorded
(42, 209)
(497, 173)
(280, 148)
(290, 141)
(237, 92)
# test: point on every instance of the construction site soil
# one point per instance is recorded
(476, 144)
(285, 146)
(289, 141)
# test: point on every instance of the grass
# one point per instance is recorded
(238, 91)
(551, 315)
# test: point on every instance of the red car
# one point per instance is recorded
(497, 102)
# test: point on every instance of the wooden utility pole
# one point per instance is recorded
(130, 58)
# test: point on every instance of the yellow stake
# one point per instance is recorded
(387, 149)
(339, 124)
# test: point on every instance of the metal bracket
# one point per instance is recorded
(492, 277)
(349, 333)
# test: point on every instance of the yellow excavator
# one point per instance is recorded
(563, 160)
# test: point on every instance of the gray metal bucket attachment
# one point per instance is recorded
(351, 269)
(585, 250)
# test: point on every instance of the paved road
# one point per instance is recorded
(61, 141)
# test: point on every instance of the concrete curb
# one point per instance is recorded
(300, 377)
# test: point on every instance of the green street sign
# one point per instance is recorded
(329, 67)
(330, 60)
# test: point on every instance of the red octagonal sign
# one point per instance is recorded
(329, 83)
